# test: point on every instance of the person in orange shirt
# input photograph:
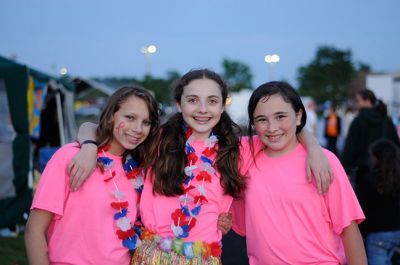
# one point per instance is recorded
(332, 129)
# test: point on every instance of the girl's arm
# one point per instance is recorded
(35, 237)
(317, 163)
(224, 222)
(84, 162)
(353, 245)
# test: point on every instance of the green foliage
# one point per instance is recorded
(160, 86)
(12, 250)
(237, 74)
(328, 76)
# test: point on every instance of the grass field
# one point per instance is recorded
(12, 251)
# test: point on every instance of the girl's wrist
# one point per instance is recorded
(88, 142)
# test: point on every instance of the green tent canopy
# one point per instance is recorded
(16, 137)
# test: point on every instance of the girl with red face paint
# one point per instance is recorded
(95, 224)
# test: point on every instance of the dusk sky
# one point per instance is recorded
(103, 38)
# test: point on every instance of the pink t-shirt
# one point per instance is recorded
(83, 229)
(156, 210)
(286, 220)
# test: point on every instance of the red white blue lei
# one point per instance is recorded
(195, 196)
(126, 230)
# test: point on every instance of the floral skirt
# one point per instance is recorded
(150, 253)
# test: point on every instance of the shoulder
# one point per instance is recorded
(333, 159)
(245, 142)
(66, 152)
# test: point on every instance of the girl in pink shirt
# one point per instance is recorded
(285, 220)
(95, 224)
(195, 177)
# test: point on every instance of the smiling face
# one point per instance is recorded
(131, 125)
(201, 105)
(275, 122)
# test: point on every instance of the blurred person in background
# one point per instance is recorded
(332, 129)
(382, 207)
(312, 119)
(371, 124)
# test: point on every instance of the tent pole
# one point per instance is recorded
(60, 118)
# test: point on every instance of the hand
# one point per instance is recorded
(82, 165)
(319, 167)
(224, 222)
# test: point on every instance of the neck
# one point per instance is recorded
(116, 150)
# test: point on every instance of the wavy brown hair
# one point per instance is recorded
(169, 169)
(146, 151)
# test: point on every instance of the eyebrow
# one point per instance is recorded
(259, 116)
(276, 113)
(211, 96)
(280, 112)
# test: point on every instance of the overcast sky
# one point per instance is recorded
(103, 38)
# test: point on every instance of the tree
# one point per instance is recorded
(328, 76)
(159, 86)
(237, 74)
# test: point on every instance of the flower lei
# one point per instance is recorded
(185, 217)
(126, 231)
(177, 245)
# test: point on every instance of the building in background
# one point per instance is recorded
(387, 88)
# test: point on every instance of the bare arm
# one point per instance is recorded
(84, 162)
(224, 222)
(35, 237)
(317, 163)
(353, 245)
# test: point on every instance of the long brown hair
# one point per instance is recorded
(385, 156)
(169, 169)
(146, 151)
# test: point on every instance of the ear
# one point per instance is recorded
(178, 106)
(299, 115)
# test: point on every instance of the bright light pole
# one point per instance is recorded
(148, 51)
(271, 60)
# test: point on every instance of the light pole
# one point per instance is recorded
(148, 51)
(271, 60)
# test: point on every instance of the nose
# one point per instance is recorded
(137, 126)
(203, 106)
(272, 126)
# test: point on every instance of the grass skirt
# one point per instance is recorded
(149, 253)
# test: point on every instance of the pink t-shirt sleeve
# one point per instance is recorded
(342, 203)
(53, 187)
(246, 157)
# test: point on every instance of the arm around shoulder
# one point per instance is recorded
(84, 162)
(317, 162)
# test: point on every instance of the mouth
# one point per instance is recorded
(202, 119)
(274, 138)
(133, 139)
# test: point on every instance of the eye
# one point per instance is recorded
(213, 101)
(147, 123)
(130, 117)
(192, 100)
(260, 120)
(280, 117)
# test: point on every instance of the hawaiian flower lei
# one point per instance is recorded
(188, 249)
(184, 218)
(125, 231)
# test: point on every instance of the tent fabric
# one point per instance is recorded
(16, 79)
